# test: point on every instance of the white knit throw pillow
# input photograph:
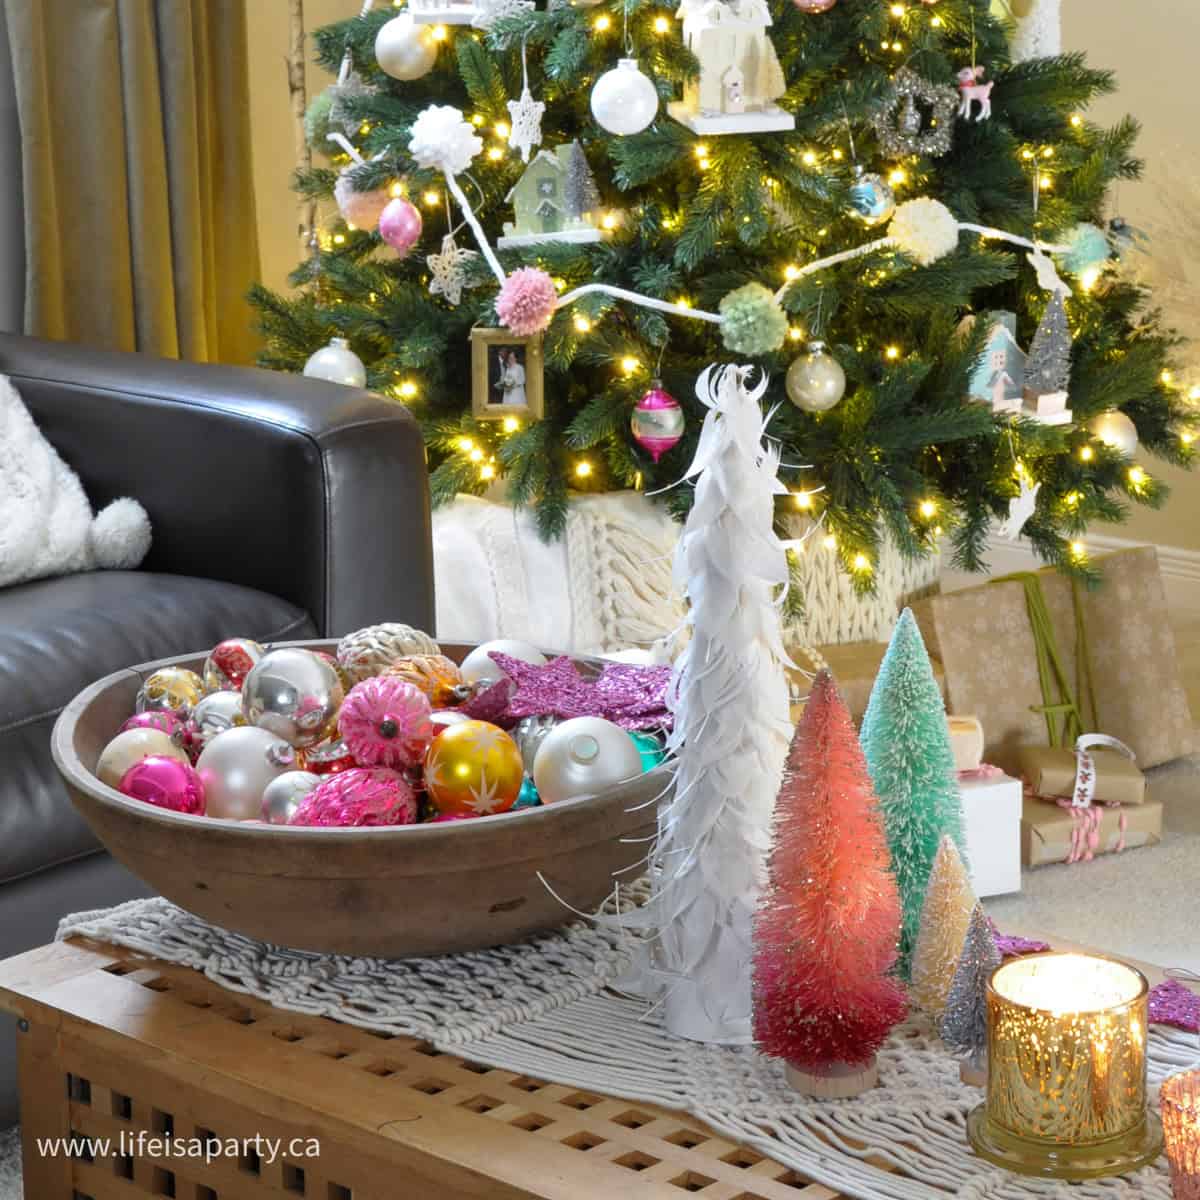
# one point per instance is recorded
(46, 523)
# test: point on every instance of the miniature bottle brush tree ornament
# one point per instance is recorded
(663, 249)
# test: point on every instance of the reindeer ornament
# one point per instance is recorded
(970, 83)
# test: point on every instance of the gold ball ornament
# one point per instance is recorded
(433, 674)
(473, 768)
(173, 688)
(131, 747)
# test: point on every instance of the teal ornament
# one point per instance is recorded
(872, 200)
(752, 321)
(1089, 248)
(650, 747)
(528, 796)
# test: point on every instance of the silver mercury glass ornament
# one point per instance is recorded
(872, 200)
(283, 795)
(815, 381)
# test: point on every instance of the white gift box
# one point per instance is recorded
(992, 823)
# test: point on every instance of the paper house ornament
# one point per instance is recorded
(740, 77)
(999, 375)
(555, 200)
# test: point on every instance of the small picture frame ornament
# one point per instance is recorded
(506, 375)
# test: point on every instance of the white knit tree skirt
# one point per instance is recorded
(544, 1007)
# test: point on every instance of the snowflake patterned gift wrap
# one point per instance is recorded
(1051, 833)
(985, 641)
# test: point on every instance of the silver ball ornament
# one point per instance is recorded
(293, 694)
(1115, 429)
(478, 667)
(337, 363)
(405, 50)
(529, 733)
(872, 200)
(131, 747)
(624, 100)
(217, 712)
(582, 757)
(815, 381)
(236, 768)
(282, 796)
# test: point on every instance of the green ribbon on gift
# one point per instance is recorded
(1059, 701)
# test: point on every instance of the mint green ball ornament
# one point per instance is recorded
(752, 321)
(650, 747)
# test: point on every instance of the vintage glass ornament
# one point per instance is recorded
(815, 381)
(283, 795)
(165, 782)
(236, 767)
(400, 225)
(433, 674)
(872, 200)
(337, 363)
(385, 722)
(229, 662)
(529, 733)
(330, 757)
(442, 717)
(583, 757)
(650, 748)
(163, 719)
(657, 421)
(293, 694)
(814, 6)
(474, 768)
(624, 101)
(1115, 429)
(130, 747)
(367, 651)
(175, 688)
(529, 797)
(478, 667)
(216, 712)
(366, 796)
(405, 50)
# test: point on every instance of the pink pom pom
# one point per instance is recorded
(385, 722)
(362, 796)
(360, 209)
(527, 301)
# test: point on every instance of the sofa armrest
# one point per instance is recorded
(308, 490)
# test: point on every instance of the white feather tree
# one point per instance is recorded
(730, 699)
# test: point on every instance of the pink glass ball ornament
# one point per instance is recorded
(385, 722)
(365, 796)
(657, 422)
(328, 758)
(360, 209)
(400, 225)
(527, 301)
(164, 720)
(166, 783)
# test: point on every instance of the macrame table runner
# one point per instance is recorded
(544, 1007)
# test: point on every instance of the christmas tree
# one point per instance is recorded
(690, 220)
(580, 192)
(826, 927)
(963, 1025)
(945, 915)
(1048, 368)
(907, 744)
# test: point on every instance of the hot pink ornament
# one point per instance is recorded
(527, 301)
(385, 722)
(400, 225)
(164, 720)
(165, 783)
(362, 796)
(657, 421)
(360, 209)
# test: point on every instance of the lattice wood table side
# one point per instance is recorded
(114, 1043)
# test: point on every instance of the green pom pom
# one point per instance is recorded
(1089, 248)
(318, 124)
(752, 321)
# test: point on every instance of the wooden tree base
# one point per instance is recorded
(972, 1075)
(838, 1083)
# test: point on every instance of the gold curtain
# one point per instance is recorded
(139, 198)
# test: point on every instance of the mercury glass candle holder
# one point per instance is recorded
(1181, 1124)
(1066, 1092)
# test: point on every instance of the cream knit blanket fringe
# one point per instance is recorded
(545, 1008)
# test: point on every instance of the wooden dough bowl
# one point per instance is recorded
(391, 892)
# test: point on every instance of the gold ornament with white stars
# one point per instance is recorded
(473, 768)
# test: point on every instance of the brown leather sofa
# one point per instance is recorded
(281, 507)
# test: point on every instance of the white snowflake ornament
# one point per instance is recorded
(525, 122)
(449, 270)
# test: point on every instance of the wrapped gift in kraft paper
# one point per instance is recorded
(1051, 772)
(1053, 834)
(1113, 645)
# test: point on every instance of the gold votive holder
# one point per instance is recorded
(1066, 1090)
(1180, 1098)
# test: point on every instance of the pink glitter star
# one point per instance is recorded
(1173, 1004)
(1010, 945)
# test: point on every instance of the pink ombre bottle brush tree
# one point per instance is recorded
(828, 923)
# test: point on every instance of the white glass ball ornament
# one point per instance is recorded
(338, 364)
(583, 757)
(131, 747)
(624, 100)
(237, 766)
(405, 50)
(478, 665)
(1115, 429)
(815, 381)
(285, 793)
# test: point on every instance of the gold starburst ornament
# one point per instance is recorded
(473, 769)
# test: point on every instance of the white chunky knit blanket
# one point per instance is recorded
(545, 1008)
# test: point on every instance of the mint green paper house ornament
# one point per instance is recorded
(555, 200)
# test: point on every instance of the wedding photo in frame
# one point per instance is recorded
(506, 375)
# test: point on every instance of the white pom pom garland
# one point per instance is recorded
(924, 229)
(443, 138)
